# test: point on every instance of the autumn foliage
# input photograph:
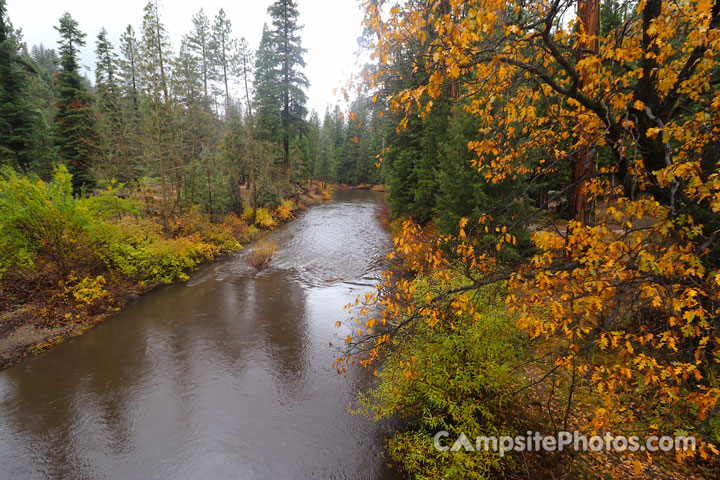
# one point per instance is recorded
(261, 254)
(625, 305)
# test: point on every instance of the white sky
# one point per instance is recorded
(332, 28)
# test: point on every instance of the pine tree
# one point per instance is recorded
(111, 122)
(106, 72)
(196, 130)
(325, 164)
(314, 128)
(188, 81)
(612, 15)
(267, 93)
(156, 109)
(154, 50)
(129, 74)
(42, 98)
(75, 133)
(245, 70)
(129, 85)
(16, 116)
(291, 79)
(46, 64)
(199, 42)
(225, 50)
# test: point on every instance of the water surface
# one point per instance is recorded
(226, 376)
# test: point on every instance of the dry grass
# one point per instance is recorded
(261, 254)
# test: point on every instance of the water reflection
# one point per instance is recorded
(224, 377)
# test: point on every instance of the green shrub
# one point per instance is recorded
(44, 218)
(451, 378)
(40, 218)
(138, 248)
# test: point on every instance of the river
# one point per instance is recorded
(225, 376)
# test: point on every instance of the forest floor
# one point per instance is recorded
(45, 314)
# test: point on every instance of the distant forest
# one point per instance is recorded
(167, 120)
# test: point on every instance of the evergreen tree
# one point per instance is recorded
(245, 70)
(76, 133)
(291, 79)
(267, 93)
(196, 131)
(156, 108)
(129, 74)
(42, 98)
(612, 15)
(46, 63)
(225, 50)
(43, 94)
(111, 124)
(199, 42)
(16, 116)
(154, 51)
(188, 79)
(128, 85)
(314, 128)
(325, 163)
(106, 72)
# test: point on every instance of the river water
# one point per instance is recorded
(226, 376)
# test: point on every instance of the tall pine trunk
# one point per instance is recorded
(582, 162)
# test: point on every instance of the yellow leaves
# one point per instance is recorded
(512, 30)
(630, 291)
(654, 131)
(89, 290)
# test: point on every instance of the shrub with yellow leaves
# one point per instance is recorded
(265, 219)
(284, 210)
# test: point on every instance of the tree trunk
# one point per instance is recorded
(582, 161)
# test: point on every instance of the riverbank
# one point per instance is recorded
(115, 256)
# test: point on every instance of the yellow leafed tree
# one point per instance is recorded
(629, 294)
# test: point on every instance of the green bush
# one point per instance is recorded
(452, 379)
(138, 248)
(44, 218)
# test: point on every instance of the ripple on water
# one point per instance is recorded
(226, 376)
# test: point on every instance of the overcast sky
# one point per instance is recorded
(332, 28)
